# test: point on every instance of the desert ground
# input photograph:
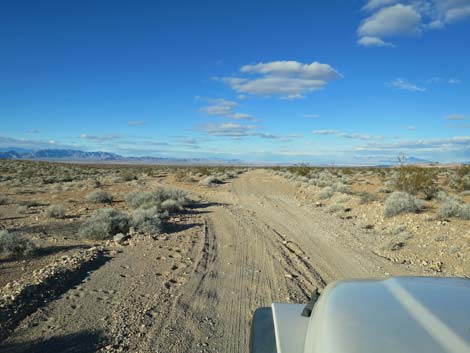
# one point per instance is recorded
(184, 272)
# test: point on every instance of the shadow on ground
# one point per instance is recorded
(81, 342)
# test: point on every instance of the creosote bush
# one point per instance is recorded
(415, 180)
(16, 245)
(55, 211)
(99, 197)
(104, 224)
(401, 202)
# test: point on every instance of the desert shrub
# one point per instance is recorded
(342, 188)
(326, 193)
(29, 203)
(383, 190)
(397, 242)
(414, 180)
(366, 197)
(210, 181)
(460, 179)
(55, 211)
(147, 220)
(162, 198)
(22, 209)
(301, 169)
(171, 206)
(465, 193)
(99, 197)
(454, 207)
(401, 202)
(137, 199)
(104, 224)
(4, 200)
(15, 245)
(343, 199)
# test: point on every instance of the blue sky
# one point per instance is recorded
(272, 81)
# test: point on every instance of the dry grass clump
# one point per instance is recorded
(55, 211)
(454, 207)
(99, 197)
(104, 224)
(16, 245)
(326, 193)
(22, 210)
(402, 202)
(335, 208)
(366, 197)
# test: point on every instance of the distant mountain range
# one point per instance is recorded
(99, 157)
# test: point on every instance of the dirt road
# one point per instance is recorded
(245, 245)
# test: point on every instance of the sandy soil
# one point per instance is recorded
(244, 245)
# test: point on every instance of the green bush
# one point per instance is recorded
(147, 220)
(414, 180)
(55, 211)
(104, 224)
(15, 245)
(454, 207)
(99, 197)
(460, 179)
(401, 202)
(326, 193)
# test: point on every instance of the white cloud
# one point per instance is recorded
(390, 21)
(288, 79)
(373, 42)
(311, 116)
(99, 138)
(374, 4)
(444, 144)
(402, 84)
(456, 117)
(342, 134)
(411, 128)
(390, 18)
(238, 131)
(225, 108)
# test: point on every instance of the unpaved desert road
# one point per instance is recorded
(249, 243)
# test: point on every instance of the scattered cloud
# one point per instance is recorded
(311, 116)
(403, 84)
(411, 128)
(99, 138)
(393, 18)
(443, 80)
(373, 42)
(390, 21)
(136, 123)
(287, 79)
(343, 134)
(456, 117)
(32, 131)
(225, 108)
(444, 144)
(238, 131)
